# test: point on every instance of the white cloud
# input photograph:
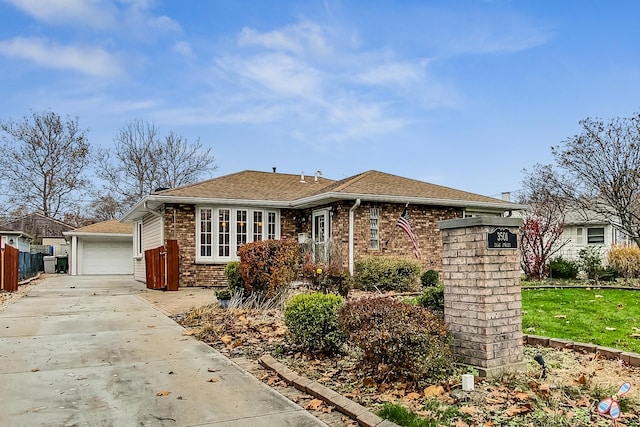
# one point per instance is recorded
(100, 14)
(498, 40)
(392, 73)
(183, 48)
(302, 38)
(134, 16)
(87, 60)
(280, 74)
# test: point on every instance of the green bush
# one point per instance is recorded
(590, 261)
(312, 321)
(399, 340)
(234, 278)
(560, 268)
(432, 297)
(429, 278)
(269, 266)
(387, 274)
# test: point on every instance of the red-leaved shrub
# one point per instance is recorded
(268, 266)
(399, 340)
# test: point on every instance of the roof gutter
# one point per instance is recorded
(146, 207)
(506, 206)
(351, 221)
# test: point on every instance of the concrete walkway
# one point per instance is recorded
(90, 351)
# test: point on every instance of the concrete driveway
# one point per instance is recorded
(89, 351)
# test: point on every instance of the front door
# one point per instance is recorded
(321, 234)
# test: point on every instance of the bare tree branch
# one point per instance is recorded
(602, 171)
(43, 159)
(142, 161)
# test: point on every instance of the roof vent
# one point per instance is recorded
(302, 178)
(318, 173)
(159, 189)
(274, 169)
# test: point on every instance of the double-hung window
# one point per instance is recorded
(221, 231)
(595, 236)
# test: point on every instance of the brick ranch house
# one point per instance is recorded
(356, 215)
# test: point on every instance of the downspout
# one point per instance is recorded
(73, 256)
(351, 221)
(151, 211)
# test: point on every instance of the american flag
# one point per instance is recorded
(404, 222)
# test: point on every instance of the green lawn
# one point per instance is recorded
(606, 317)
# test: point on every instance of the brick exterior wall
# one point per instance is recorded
(483, 299)
(393, 240)
(179, 224)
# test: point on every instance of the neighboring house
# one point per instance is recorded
(357, 216)
(18, 239)
(46, 231)
(588, 230)
(101, 248)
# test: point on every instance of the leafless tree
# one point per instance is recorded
(601, 172)
(43, 159)
(143, 161)
(541, 232)
(106, 207)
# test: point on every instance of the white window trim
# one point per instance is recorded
(138, 250)
(215, 258)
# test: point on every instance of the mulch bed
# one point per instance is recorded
(568, 395)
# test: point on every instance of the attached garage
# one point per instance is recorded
(102, 248)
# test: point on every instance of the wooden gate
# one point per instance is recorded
(162, 266)
(9, 268)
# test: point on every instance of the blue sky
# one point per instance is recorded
(459, 93)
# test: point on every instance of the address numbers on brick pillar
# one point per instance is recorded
(502, 238)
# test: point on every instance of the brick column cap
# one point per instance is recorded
(495, 221)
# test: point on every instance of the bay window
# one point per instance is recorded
(221, 231)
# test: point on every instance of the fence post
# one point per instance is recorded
(2, 268)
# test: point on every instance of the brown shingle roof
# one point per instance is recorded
(251, 185)
(379, 183)
(112, 226)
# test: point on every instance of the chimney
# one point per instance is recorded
(302, 177)
(506, 196)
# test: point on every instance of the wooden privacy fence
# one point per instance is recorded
(9, 268)
(162, 265)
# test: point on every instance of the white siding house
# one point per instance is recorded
(102, 248)
(580, 233)
(148, 233)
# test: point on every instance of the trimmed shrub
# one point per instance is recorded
(625, 259)
(268, 266)
(399, 340)
(429, 278)
(560, 268)
(387, 274)
(312, 320)
(234, 278)
(433, 297)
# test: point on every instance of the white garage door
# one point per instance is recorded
(107, 257)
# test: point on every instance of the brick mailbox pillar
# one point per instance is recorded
(482, 295)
